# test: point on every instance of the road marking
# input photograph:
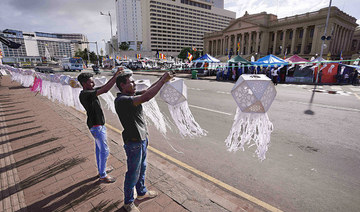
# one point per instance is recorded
(204, 175)
(222, 92)
(211, 110)
(216, 181)
(197, 89)
(328, 106)
(357, 96)
(355, 89)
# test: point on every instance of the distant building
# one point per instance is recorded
(263, 34)
(168, 26)
(35, 45)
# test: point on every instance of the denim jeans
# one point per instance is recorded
(136, 165)
(101, 148)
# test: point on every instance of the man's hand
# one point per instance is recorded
(166, 77)
(119, 71)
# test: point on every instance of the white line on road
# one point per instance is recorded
(216, 111)
(328, 106)
(197, 89)
(355, 89)
(222, 92)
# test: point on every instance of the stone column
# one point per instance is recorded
(337, 39)
(274, 45)
(249, 45)
(264, 43)
(283, 43)
(229, 44)
(303, 41)
(242, 43)
(331, 43)
(292, 49)
(315, 41)
(235, 43)
(257, 41)
(347, 40)
(222, 46)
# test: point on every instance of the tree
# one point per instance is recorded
(84, 55)
(124, 46)
(184, 53)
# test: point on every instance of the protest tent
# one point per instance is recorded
(270, 60)
(206, 58)
(296, 59)
(238, 59)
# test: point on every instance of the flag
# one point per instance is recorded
(285, 53)
(125, 57)
(190, 57)
(341, 57)
(238, 46)
(194, 49)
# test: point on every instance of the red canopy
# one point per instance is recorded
(296, 59)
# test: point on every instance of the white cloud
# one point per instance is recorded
(287, 8)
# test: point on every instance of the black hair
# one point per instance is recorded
(84, 77)
(122, 78)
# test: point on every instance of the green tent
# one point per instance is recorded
(238, 59)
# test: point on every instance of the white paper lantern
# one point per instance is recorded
(142, 84)
(254, 95)
(174, 93)
(151, 109)
(108, 97)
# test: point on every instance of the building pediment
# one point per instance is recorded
(239, 24)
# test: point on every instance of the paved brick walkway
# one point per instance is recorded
(48, 164)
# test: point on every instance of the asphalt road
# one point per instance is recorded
(313, 163)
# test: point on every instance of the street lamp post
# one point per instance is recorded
(101, 13)
(323, 38)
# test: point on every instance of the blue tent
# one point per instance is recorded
(206, 58)
(270, 60)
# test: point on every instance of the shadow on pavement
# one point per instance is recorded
(50, 171)
(71, 196)
(31, 159)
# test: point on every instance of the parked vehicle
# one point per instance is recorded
(72, 64)
(96, 69)
(44, 68)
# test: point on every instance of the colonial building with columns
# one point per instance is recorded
(262, 34)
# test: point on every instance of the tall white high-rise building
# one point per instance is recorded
(128, 22)
(168, 26)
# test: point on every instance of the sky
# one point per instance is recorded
(83, 16)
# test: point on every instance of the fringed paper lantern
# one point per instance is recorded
(46, 84)
(76, 89)
(37, 85)
(108, 97)
(254, 95)
(174, 93)
(66, 91)
(151, 109)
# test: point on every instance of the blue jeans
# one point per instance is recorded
(136, 165)
(101, 148)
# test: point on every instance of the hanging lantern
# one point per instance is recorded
(254, 95)
(174, 93)
(108, 97)
(151, 109)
